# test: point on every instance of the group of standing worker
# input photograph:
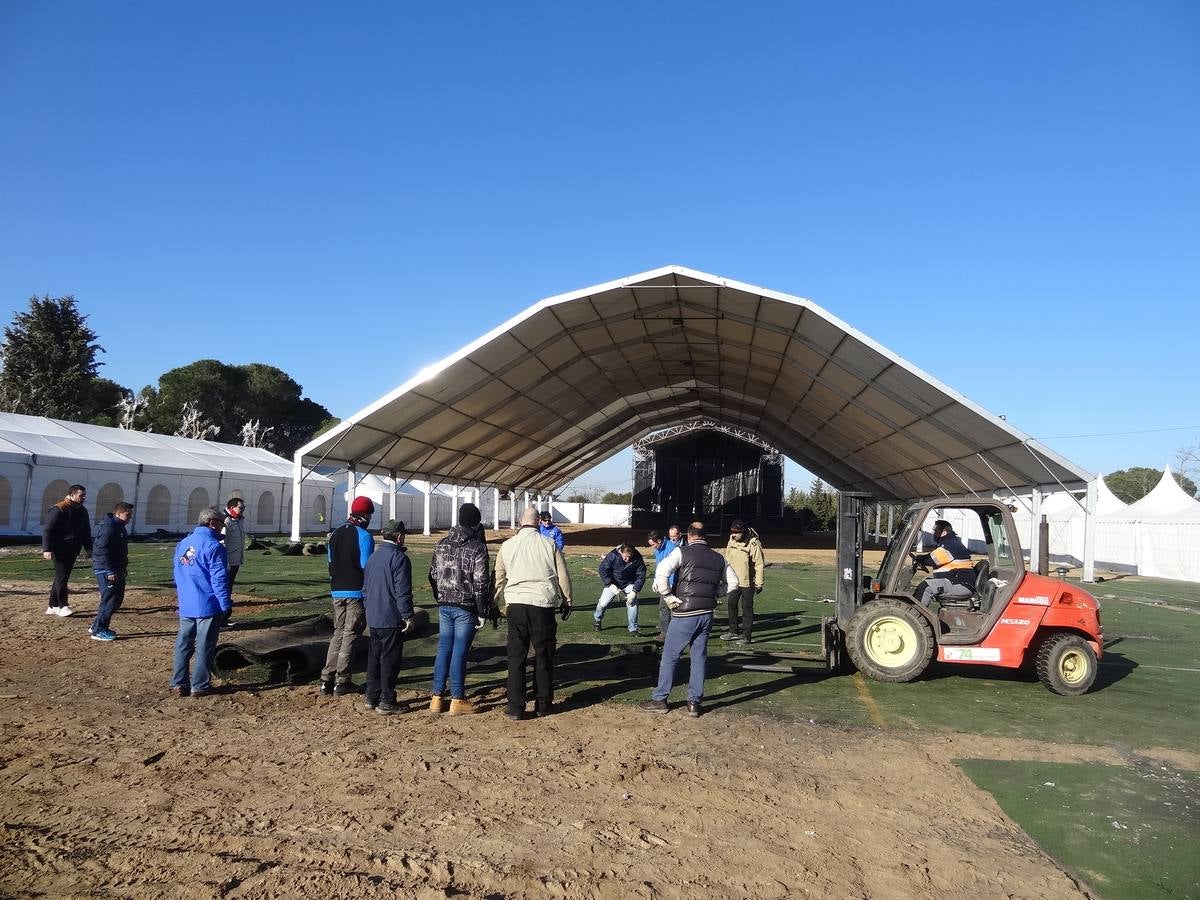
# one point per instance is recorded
(371, 589)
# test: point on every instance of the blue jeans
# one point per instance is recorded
(112, 595)
(456, 630)
(685, 631)
(195, 635)
(610, 595)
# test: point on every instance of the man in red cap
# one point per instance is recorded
(350, 547)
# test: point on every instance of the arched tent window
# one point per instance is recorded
(110, 495)
(55, 491)
(5, 501)
(158, 506)
(266, 508)
(197, 501)
(318, 509)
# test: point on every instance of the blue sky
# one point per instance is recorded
(312, 185)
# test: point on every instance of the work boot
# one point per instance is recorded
(390, 708)
(437, 703)
(461, 707)
(514, 714)
(325, 687)
(345, 688)
(694, 709)
(730, 636)
(654, 706)
(542, 708)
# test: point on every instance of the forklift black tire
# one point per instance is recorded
(890, 640)
(1066, 664)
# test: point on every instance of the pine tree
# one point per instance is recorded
(48, 361)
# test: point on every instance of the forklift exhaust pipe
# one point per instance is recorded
(1043, 563)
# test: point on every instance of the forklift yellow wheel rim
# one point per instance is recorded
(891, 642)
(1073, 667)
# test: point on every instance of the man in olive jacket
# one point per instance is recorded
(744, 554)
(68, 530)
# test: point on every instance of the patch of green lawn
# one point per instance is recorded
(1146, 693)
(1128, 831)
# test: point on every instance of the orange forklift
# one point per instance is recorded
(1012, 618)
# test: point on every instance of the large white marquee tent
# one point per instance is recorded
(168, 479)
(575, 378)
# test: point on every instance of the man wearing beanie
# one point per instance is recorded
(458, 575)
(350, 547)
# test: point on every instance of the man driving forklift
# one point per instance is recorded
(953, 575)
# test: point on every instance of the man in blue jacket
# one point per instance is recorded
(623, 572)
(110, 560)
(387, 596)
(662, 549)
(202, 582)
(350, 546)
(548, 529)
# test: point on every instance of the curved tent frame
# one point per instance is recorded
(575, 378)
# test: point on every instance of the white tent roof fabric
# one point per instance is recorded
(575, 378)
(1167, 501)
(45, 441)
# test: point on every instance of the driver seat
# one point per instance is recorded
(984, 589)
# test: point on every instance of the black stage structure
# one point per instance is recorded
(707, 471)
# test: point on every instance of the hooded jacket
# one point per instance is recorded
(746, 559)
(614, 570)
(459, 573)
(111, 553)
(387, 587)
(201, 575)
(552, 532)
(68, 528)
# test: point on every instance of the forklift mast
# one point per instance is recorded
(850, 527)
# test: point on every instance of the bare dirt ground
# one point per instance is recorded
(108, 786)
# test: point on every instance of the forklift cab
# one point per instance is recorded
(987, 531)
(984, 526)
(967, 600)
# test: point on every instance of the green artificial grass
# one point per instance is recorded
(1127, 831)
(1146, 693)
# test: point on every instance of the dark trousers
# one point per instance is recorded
(112, 595)
(62, 574)
(536, 626)
(743, 597)
(383, 664)
(231, 575)
(664, 616)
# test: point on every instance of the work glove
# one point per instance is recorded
(406, 626)
(564, 609)
(672, 601)
(493, 615)
(630, 596)
(758, 590)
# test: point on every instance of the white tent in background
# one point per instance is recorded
(1166, 500)
(168, 479)
(1158, 536)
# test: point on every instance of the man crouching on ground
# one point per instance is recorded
(699, 572)
(387, 596)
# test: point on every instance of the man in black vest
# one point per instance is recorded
(699, 572)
